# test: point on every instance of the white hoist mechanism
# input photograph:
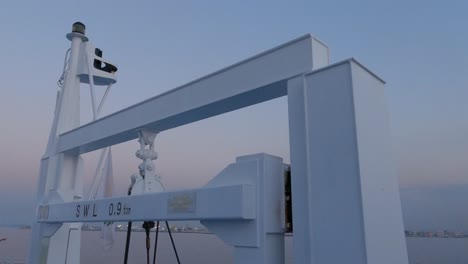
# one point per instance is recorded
(344, 190)
(145, 182)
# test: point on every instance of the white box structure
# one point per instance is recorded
(342, 171)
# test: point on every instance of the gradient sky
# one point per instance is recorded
(418, 47)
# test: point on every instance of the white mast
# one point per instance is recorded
(60, 178)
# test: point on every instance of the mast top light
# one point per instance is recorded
(78, 30)
(79, 27)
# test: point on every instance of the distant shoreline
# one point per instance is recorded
(202, 230)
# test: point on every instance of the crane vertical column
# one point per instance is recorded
(345, 197)
(59, 176)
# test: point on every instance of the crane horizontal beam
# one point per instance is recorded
(254, 80)
(235, 202)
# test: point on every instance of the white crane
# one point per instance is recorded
(345, 200)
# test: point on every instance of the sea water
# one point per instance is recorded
(197, 248)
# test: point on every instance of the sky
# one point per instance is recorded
(417, 47)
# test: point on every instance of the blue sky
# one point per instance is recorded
(418, 47)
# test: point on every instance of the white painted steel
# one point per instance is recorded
(383, 220)
(228, 203)
(58, 173)
(103, 99)
(97, 175)
(261, 240)
(60, 178)
(86, 67)
(146, 180)
(255, 80)
(346, 206)
(91, 87)
(242, 205)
